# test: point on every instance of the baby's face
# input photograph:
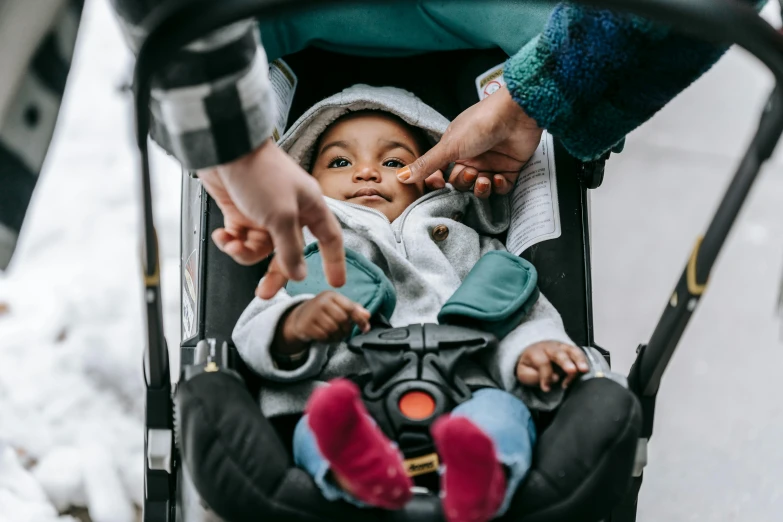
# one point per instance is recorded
(358, 158)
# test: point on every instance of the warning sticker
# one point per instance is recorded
(490, 81)
(284, 83)
(535, 213)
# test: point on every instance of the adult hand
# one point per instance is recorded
(266, 198)
(490, 142)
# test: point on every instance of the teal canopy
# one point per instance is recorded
(408, 28)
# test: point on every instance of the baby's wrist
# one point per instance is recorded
(288, 340)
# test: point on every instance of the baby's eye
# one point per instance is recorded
(338, 163)
(393, 164)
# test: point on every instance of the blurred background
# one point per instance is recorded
(71, 331)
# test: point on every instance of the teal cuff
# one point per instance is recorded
(496, 295)
(365, 283)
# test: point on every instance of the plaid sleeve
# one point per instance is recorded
(592, 76)
(214, 102)
(32, 92)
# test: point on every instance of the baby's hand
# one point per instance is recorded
(535, 365)
(328, 317)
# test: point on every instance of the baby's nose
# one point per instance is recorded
(368, 172)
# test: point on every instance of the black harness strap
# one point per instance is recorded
(419, 360)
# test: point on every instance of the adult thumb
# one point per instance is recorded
(437, 158)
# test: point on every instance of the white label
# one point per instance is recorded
(189, 299)
(188, 320)
(535, 214)
(490, 81)
(284, 83)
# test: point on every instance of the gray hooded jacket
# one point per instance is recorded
(425, 268)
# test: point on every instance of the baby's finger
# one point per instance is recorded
(335, 310)
(357, 313)
(579, 358)
(545, 376)
(539, 360)
(527, 375)
(343, 302)
(361, 317)
(333, 329)
(313, 332)
(340, 317)
(562, 358)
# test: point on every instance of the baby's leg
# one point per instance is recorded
(337, 437)
(481, 439)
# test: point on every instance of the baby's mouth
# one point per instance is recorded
(369, 193)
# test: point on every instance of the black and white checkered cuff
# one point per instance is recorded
(217, 122)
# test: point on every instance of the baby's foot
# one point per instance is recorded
(473, 484)
(360, 455)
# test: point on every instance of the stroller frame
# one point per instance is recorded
(723, 21)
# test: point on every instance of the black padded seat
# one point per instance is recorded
(244, 472)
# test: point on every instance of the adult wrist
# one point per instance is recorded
(516, 112)
(241, 165)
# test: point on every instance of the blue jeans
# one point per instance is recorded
(503, 417)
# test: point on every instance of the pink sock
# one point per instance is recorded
(473, 485)
(356, 449)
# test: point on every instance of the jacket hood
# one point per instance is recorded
(302, 136)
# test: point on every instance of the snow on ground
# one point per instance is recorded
(71, 388)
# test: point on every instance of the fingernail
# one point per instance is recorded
(404, 174)
(499, 181)
(482, 185)
(470, 177)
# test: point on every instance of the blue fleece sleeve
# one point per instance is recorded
(592, 76)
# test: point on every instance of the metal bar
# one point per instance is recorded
(156, 360)
(646, 373)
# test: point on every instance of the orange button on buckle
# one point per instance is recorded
(417, 405)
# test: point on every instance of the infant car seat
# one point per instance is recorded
(240, 463)
(230, 463)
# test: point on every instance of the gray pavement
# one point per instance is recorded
(716, 453)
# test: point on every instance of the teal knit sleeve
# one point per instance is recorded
(592, 76)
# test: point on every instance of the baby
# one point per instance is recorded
(353, 144)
